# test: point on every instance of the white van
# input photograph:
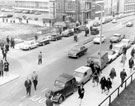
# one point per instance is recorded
(82, 74)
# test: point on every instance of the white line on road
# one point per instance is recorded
(44, 90)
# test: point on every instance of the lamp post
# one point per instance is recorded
(101, 17)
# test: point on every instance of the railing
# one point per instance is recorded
(117, 90)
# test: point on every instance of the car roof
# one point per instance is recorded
(65, 77)
(96, 54)
(82, 69)
(125, 40)
(119, 45)
(116, 34)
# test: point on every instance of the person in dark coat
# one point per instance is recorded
(4, 53)
(108, 85)
(103, 84)
(7, 39)
(28, 84)
(75, 38)
(40, 58)
(92, 67)
(6, 66)
(111, 46)
(81, 92)
(35, 79)
(1, 68)
(124, 50)
(7, 47)
(49, 102)
(132, 52)
(112, 73)
(123, 75)
(131, 63)
(97, 68)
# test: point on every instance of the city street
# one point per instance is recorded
(55, 62)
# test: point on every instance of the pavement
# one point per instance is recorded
(7, 78)
(93, 95)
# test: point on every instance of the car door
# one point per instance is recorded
(68, 88)
(85, 77)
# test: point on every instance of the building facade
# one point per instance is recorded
(47, 7)
(129, 6)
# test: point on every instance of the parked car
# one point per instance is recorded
(112, 55)
(126, 42)
(43, 41)
(116, 38)
(67, 33)
(82, 74)
(129, 24)
(77, 51)
(82, 27)
(95, 58)
(114, 20)
(55, 36)
(118, 48)
(28, 45)
(97, 39)
(96, 23)
(9, 15)
(64, 86)
(94, 31)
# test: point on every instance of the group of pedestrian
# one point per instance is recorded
(28, 83)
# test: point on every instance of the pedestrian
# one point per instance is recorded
(28, 84)
(103, 84)
(75, 38)
(133, 53)
(7, 40)
(95, 77)
(111, 46)
(1, 68)
(112, 74)
(97, 68)
(35, 79)
(108, 85)
(123, 75)
(4, 53)
(124, 50)
(81, 92)
(92, 67)
(7, 47)
(123, 59)
(49, 102)
(40, 58)
(131, 63)
(6, 66)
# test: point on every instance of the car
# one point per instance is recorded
(55, 36)
(67, 33)
(77, 51)
(94, 31)
(116, 38)
(43, 41)
(126, 42)
(96, 40)
(28, 45)
(82, 27)
(9, 15)
(96, 23)
(82, 74)
(118, 48)
(112, 55)
(129, 24)
(64, 86)
(114, 21)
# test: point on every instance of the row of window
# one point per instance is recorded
(129, 1)
(129, 7)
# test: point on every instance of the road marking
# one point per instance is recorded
(44, 90)
(35, 98)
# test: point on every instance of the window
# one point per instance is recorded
(58, 6)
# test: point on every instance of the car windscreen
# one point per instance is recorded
(78, 74)
(59, 84)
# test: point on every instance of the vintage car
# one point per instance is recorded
(112, 55)
(114, 20)
(43, 41)
(118, 48)
(28, 45)
(55, 36)
(95, 58)
(77, 51)
(64, 86)
(129, 24)
(67, 33)
(126, 42)
(82, 74)
(96, 40)
(116, 38)
(94, 31)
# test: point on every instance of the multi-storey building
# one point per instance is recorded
(47, 7)
(129, 6)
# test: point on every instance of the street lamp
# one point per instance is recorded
(101, 17)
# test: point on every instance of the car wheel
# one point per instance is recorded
(61, 99)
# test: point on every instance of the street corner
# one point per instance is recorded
(7, 78)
